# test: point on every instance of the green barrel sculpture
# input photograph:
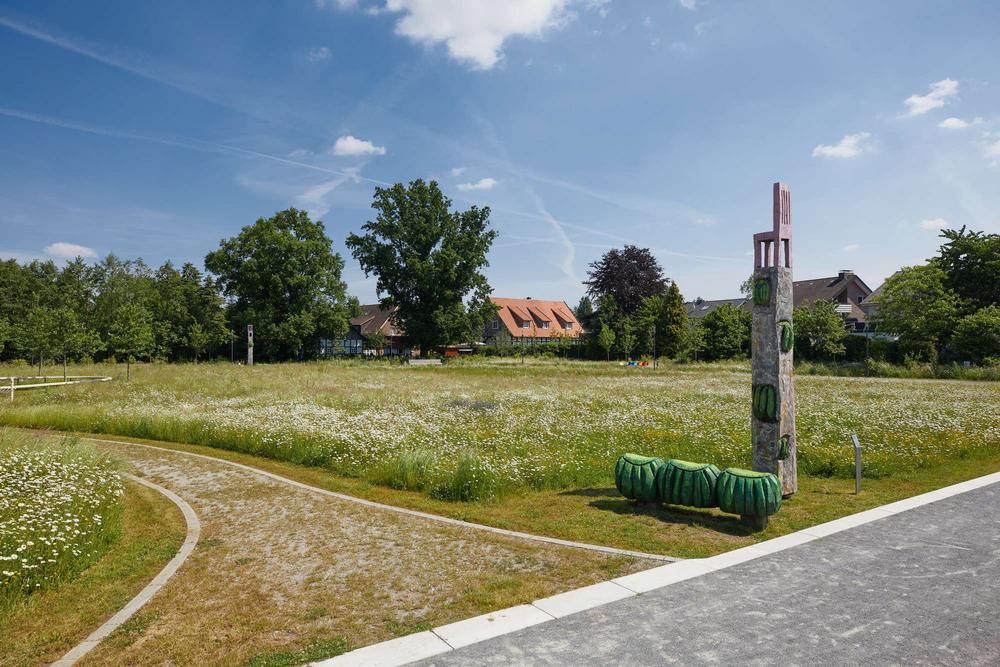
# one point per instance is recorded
(635, 476)
(749, 493)
(762, 292)
(686, 483)
(786, 335)
(765, 402)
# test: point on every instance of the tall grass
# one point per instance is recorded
(476, 429)
(60, 510)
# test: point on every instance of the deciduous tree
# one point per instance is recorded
(605, 338)
(131, 334)
(819, 331)
(977, 336)
(916, 305)
(69, 336)
(428, 261)
(725, 333)
(629, 275)
(971, 265)
(284, 278)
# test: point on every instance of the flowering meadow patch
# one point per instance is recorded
(479, 430)
(60, 508)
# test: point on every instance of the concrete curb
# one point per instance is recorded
(402, 510)
(463, 633)
(144, 596)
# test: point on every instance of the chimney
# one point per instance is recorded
(527, 298)
(846, 274)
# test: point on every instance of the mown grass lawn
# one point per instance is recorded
(532, 446)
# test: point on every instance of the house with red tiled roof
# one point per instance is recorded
(535, 320)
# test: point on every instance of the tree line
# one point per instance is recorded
(279, 274)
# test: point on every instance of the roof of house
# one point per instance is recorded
(830, 289)
(373, 318)
(514, 311)
(803, 291)
(701, 307)
(874, 296)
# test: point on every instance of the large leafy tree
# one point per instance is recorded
(428, 261)
(282, 276)
(977, 336)
(971, 265)
(819, 331)
(725, 333)
(917, 305)
(629, 275)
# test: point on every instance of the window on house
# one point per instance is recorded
(496, 324)
(524, 324)
(545, 325)
(568, 326)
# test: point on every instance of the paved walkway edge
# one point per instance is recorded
(144, 596)
(402, 510)
(396, 652)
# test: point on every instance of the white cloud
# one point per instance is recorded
(474, 31)
(852, 145)
(64, 250)
(690, 5)
(959, 124)
(457, 171)
(318, 54)
(351, 145)
(993, 150)
(482, 184)
(851, 247)
(935, 223)
(940, 91)
(339, 4)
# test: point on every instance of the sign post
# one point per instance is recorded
(857, 464)
(249, 345)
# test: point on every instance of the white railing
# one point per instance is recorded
(16, 382)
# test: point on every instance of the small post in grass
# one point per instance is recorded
(857, 464)
(249, 345)
(12, 389)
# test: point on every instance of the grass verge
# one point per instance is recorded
(49, 623)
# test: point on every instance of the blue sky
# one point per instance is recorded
(154, 130)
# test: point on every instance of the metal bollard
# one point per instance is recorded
(857, 464)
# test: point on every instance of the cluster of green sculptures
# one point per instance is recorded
(674, 482)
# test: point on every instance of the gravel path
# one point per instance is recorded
(280, 568)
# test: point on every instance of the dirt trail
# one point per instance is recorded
(280, 568)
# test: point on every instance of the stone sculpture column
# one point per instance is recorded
(773, 395)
